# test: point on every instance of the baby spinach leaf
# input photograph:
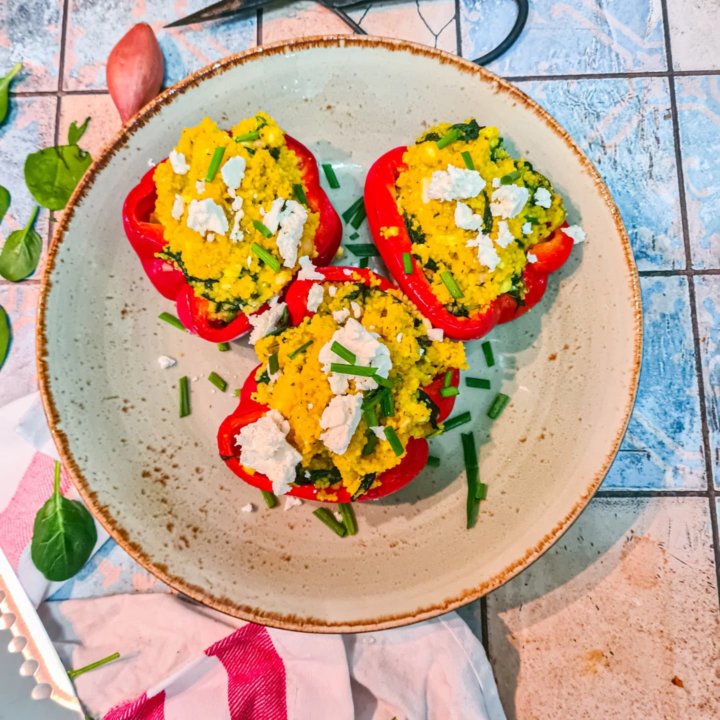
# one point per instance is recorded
(4, 201)
(20, 254)
(5, 90)
(75, 132)
(64, 535)
(4, 335)
(52, 174)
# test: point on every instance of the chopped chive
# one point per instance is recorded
(223, 347)
(298, 351)
(498, 405)
(371, 442)
(451, 137)
(184, 397)
(273, 364)
(473, 477)
(270, 499)
(374, 397)
(343, 352)
(370, 415)
(407, 263)
(171, 320)
(456, 421)
(434, 433)
(451, 284)
(262, 229)
(387, 405)
(74, 673)
(237, 392)
(355, 236)
(359, 216)
(481, 491)
(215, 164)
(448, 379)
(331, 177)
(325, 516)
(510, 178)
(363, 250)
(350, 212)
(477, 383)
(247, 137)
(488, 353)
(359, 370)
(217, 381)
(348, 516)
(449, 391)
(394, 441)
(387, 382)
(469, 164)
(265, 256)
(364, 262)
(433, 461)
(299, 192)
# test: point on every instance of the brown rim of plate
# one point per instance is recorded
(226, 605)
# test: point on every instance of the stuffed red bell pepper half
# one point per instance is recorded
(351, 381)
(468, 232)
(223, 225)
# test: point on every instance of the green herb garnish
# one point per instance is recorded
(20, 254)
(217, 381)
(5, 90)
(394, 441)
(273, 363)
(487, 215)
(488, 353)
(480, 383)
(473, 477)
(469, 164)
(359, 370)
(262, 228)
(215, 163)
(247, 137)
(348, 516)
(449, 391)
(387, 405)
(292, 355)
(331, 177)
(498, 405)
(184, 397)
(299, 192)
(364, 262)
(460, 131)
(263, 254)
(451, 284)
(325, 516)
(363, 250)
(407, 263)
(171, 320)
(359, 216)
(456, 421)
(448, 378)
(371, 440)
(72, 674)
(354, 236)
(223, 346)
(343, 352)
(270, 500)
(433, 461)
(350, 212)
(510, 178)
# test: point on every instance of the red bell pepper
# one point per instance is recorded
(148, 239)
(248, 411)
(382, 211)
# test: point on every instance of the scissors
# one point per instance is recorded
(230, 8)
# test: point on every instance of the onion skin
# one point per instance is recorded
(135, 70)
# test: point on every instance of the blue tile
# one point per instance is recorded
(663, 445)
(95, 28)
(625, 128)
(699, 114)
(568, 38)
(707, 291)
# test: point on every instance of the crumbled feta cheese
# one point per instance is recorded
(177, 160)
(291, 502)
(248, 508)
(233, 172)
(399, 337)
(508, 201)
(465, 219)
(205, 216)
(543, 198)
(332, 290)
(436, 334)
(274, 301)
(315, 297)
(454, 184)
(357, 310)
(340, 420)
(266, 450)
(236, 233)
(426, 324)
(237, 204)
(210, 237)
(496, 182)
(379, 431)
(249, 262)
(348, 273)
(166, 362)
(421, 351)
(527, 228)
(531, 258)
(151, 162)
(195, 379)
(338, 516)
(274, 376)
(232, 193)
(178, 207)
(271, 218)
(576, 233)
(292, 221)
(309, 272)
(487, 255)
(505, 237)
(263, 323)
(200, 187)
(310, 406)
(340, 316)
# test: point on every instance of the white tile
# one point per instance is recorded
(694, 27)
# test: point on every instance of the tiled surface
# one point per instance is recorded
(694, 45)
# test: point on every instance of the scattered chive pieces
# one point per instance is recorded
(469, 164)
(264, 255)
(433, 461)
(481, 491)
(510, 178)
(449, 391)
(270, 499)
(498, 405)
(363, 250)
(387, 406)
(184, 397)
(348, 516)
(237, 392)
(407, 263)
(473, 477)
(477, 383)
(451, 137)
(456, 421)
(359, 216)
(325, 516)
(223, 347)
(214, 164)
(394, 441)
(273, 364)
(359, 370)
(217, 381)
(298, 351)
(343, 352)
(370, 415)
(262, 229)
(371, 442)
(451, 284)
(448, 379)
(488, 353)
(387, 382)
(299, 192)
(355, 236)
(364, 262)
(74, 673)
(434, 433)
(331, 177)
(350, 212)
(247, 137)
(171, 320)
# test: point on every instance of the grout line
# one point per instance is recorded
(638, 493)
(689, 272)
(458, 29)
(259, 27)
(59, 93)
(63, 42)
(484, 625)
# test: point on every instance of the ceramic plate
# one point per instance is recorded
(156, 481)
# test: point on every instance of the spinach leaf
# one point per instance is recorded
(5, 90)
(64, 535)
(467, 131)
(52, 174)
(428, 137)
(4, 202)
(4, 335)
(20, 254)
(417, 236)
(487, 215)
(75, 132)
(365, 485)
(425, 399)
(431, 265)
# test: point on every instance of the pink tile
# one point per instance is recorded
(299, 19)
(104, 120)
